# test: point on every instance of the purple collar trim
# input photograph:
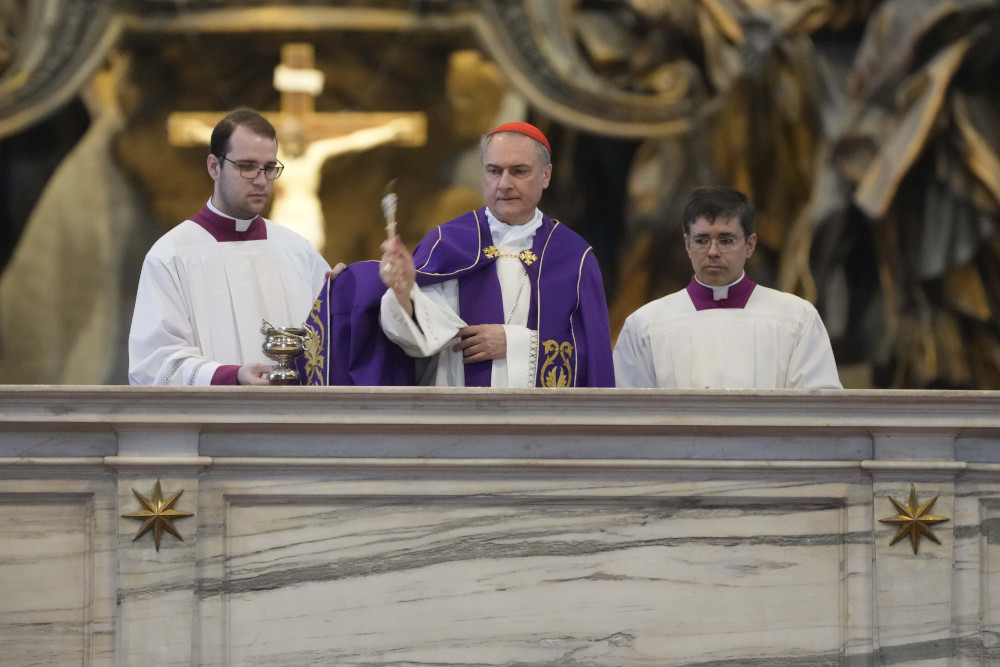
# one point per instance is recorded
(703, 298)
(223, 229)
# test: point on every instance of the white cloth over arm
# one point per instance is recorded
(200, 302)
(777, 341)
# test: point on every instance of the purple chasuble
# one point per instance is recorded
(703, 297)
(567, 308)
(223, 230)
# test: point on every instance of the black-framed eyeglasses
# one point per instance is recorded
(250, 171)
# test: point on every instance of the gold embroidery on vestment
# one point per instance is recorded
(313, 344)
(557, 369)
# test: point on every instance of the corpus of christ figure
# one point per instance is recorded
(306, 139)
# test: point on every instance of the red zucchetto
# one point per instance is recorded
(528, 130)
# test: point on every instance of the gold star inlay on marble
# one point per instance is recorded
(158, 515)
(913, 520)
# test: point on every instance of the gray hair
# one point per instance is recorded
(543, 152)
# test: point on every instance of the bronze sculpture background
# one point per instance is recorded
(866, 132)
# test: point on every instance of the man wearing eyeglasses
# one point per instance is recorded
(724, 331)
(207, 284)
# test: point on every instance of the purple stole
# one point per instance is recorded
(567, 307)
(703, 297)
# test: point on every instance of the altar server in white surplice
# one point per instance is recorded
(724, 331)
(207, 284)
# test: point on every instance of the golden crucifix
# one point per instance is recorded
(307, 139)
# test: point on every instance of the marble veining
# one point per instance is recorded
(498, 528)
(530, 580)
(55, 573)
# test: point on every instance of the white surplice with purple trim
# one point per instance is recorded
(204, 289)
(742, 336)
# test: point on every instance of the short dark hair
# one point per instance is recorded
(244, 116)
(718, 201)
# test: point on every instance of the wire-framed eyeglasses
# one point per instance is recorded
(250, 171)
(725, 243)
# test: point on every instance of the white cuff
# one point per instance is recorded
(427, 332)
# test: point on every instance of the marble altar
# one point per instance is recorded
(395, 526)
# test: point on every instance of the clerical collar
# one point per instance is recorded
(225, 228)
(517, 236)
(733, 295)
(241, 225)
